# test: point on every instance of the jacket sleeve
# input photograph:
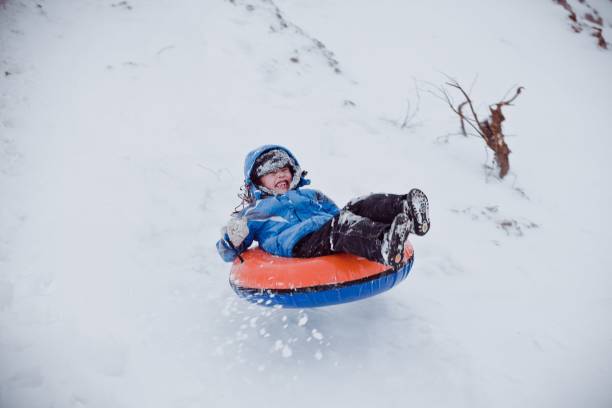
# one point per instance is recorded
(327, 205)
(227, 251)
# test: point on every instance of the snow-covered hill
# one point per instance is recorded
(123, 126)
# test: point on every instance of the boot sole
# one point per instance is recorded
(398, 234)
(419, 207)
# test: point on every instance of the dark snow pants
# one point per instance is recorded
(358, 229)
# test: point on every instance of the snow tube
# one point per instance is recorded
(312, 282)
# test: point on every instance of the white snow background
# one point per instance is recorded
(123, 128)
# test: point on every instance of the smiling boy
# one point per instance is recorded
(278, 180)
(291, 221)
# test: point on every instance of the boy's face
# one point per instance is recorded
(278, 181)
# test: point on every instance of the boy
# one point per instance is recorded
(291, 221)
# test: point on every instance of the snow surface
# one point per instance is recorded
(123, 126)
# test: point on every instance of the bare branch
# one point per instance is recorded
(467, 98)
(462, 118)
(410, 115)
(473, 84)
(509, 102)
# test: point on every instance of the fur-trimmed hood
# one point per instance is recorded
(256, 191)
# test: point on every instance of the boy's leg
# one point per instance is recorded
(317, 243)
(346, 232)
(353, 234)
(384, 208)
(358, 235)
(377, 207)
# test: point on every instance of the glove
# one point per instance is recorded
(237, 230)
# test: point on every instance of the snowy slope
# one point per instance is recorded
(123, 126)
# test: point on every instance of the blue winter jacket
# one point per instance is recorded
(278, 222)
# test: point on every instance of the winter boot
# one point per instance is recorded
(416, 206)
(392, 249)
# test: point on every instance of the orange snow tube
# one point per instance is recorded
(310, 282)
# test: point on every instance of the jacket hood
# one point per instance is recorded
(255, 190)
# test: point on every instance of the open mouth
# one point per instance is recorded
(282, 185)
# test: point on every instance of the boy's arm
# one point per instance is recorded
(236, 236)
(327, 204)
(227, 251)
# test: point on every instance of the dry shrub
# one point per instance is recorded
(490, 129)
